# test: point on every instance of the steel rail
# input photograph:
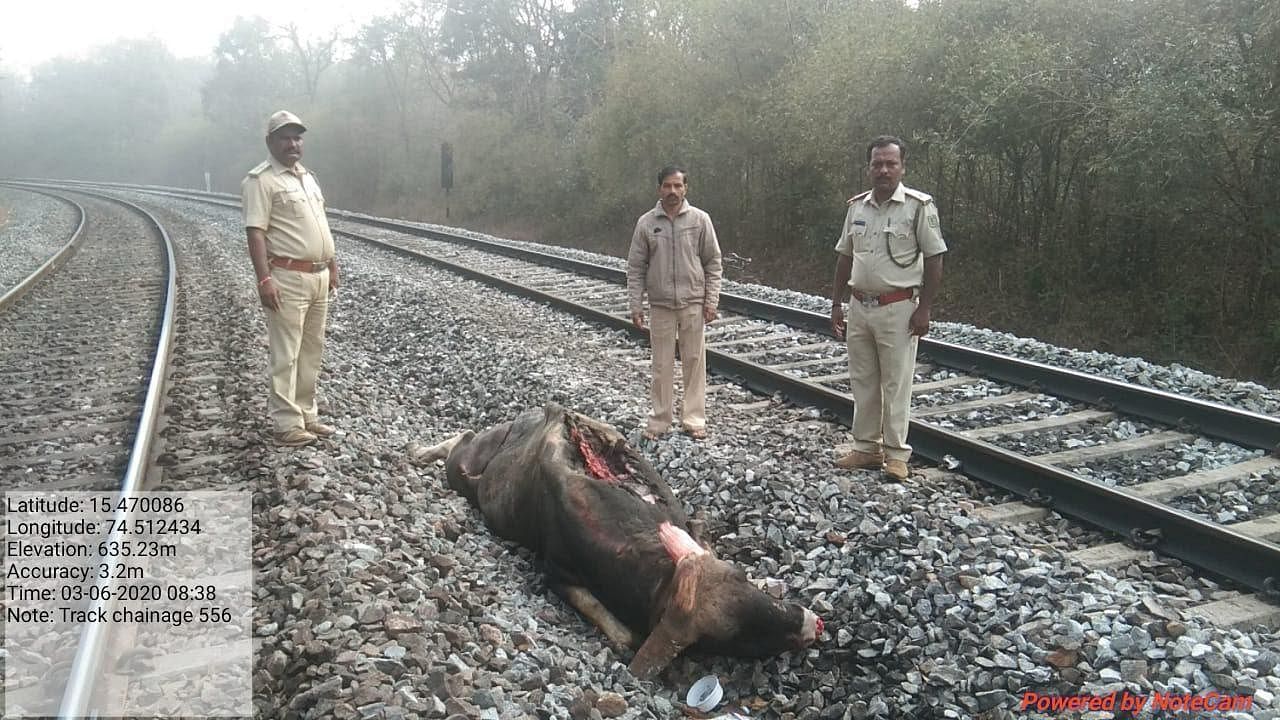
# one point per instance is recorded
(54, 262)
(85, 667)
(1218, 549)
(1242, 427)
(1215, 548)
(1245, 428)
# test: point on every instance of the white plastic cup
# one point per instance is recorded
(705, 694)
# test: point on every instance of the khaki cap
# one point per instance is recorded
(280, 118)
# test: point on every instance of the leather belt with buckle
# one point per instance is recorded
(305, 266)
(869, 300)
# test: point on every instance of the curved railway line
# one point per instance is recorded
(11, 295)
(86, 356)
(79, 351)
(773, 348)
(88, 342)
(973, 409)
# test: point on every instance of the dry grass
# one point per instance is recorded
(4, 216)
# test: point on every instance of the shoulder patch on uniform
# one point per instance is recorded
(857, 197)
(259, 169)
(921, 196)
(933, 220)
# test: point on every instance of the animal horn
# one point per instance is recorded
(678, 543)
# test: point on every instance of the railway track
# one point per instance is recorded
(777, 349)
(774, 348)
(79, 349)
(16, 281)
(87, 341)
(759, 342)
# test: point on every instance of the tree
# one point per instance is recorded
(1085, 154)
(311, 57)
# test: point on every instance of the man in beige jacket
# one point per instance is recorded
(675, 259)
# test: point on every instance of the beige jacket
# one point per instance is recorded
(676, 263)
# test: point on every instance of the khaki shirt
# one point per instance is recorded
(288, 206)
(883, 238)
(676, 262)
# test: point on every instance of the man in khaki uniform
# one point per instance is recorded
(295, 264)
(675, 258)
(890, 261)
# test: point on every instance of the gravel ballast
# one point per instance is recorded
(35, 227)
(381, 594)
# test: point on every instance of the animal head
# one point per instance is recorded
(713, 605)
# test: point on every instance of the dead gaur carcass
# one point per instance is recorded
(615, 541)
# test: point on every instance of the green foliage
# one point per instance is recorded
(1108, 173)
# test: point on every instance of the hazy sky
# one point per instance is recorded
(32, 31)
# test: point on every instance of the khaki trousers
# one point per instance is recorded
(882, 363)
(296, 336)
(666, 328)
